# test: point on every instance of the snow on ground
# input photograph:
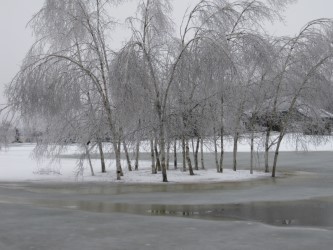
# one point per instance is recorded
(17, 164)
(177, 176)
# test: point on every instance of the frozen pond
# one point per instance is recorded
(293, 212)
(304, 213)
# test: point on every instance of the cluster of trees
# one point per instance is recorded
(167, 88)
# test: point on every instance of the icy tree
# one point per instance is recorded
(307, 56)
(72, 44)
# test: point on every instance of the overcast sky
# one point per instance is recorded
(15, 38)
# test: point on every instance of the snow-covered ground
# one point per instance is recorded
(18, 164)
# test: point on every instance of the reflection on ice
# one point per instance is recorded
(309, 213)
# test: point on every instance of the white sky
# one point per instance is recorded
(15, 38)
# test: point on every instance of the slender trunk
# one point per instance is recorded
(222, 134)
(118, 155)
(114, 139)
(235, 151)
(153, 166)
(276, 154)
(202, 155)
(268, 132)
(129, 165)
(168, 155)
(101, 153)
(157, 156)
(222, 151)
(137, 152)
(196, 153)
(137, 148)
(89, 160)
(187, 150)
(252, 152)
(162, 148)
(215, 152)
(175, 154)
(184, 154)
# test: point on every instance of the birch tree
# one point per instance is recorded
(309, 54)
(75, 33)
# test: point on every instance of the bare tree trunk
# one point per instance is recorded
(184, 154)
(268, 132)
(196, 153)
(276, 154)
(137, 148)
(187, 150)
(137, 152)
(162, 146)
(157, 156)
(175, 154)
(89, 160)
(101, 153)
(222, 151)
(115, 145)
(235, 151)
(252, 152)
(168, 155)
(153, 166)
(129, 165)
(202, 155)
(118, 156)
(222, 134)
(163, 165)
(215, 152)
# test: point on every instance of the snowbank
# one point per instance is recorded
(18, 164)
